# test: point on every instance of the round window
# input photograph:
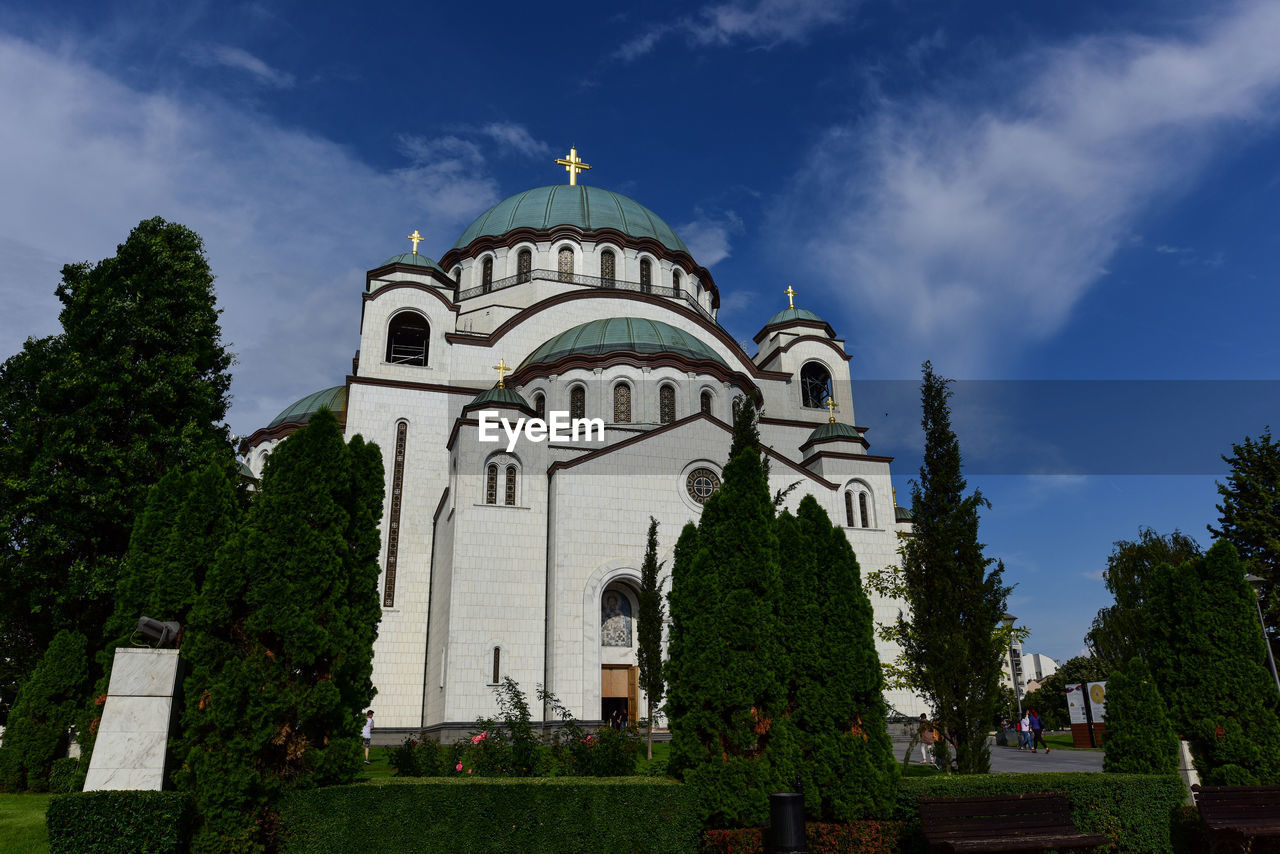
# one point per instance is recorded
(702, 483)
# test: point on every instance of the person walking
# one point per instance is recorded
(927, 737)
(367, 734)
(1024, 732)
(1037, 732)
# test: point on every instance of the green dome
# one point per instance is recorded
(588, 208)
(412, 259)
(902, 514)
(499, 397)
(834, 430)
(335, 399)
(622, 334)
(788, 315)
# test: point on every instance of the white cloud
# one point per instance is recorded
(517, 138)
(709, 237)
(964, 229)
(291, 221)
(756, 22)
(240, 60)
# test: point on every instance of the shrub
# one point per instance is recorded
(575, 752)
(12, 778)
(1140, 739)
(119, 823)
(66, 775)
(531, 816)
(863, 837)
(47, 706)
(417, 757)
(1136, 810)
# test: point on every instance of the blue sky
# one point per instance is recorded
(1017, 191)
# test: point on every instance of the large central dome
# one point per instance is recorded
(587, 208)
(622, 334)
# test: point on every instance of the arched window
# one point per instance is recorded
(524, 265)
(815, 385)
(667, 404)
(608, 268)
(496, 675)
(862, 507)
(457, 275)
(393, 521)
(491, 484)
(646, 275)
(509, 496)
(540, 405)
(407, 338)
(486, 274)
(848, 509)
(615, 618)
(622, 403)
(578, 402)
(706, 402)
(564, 264)
(675, 282)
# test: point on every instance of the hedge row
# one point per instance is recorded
(530, 815)
(859, 837)
(1136, 810)
(119, 823)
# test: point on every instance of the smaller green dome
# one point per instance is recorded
(789, 315)
(334, 399)
(412, 259)
(834, 430)
(499, 397)
(902, 514)
(623, 334)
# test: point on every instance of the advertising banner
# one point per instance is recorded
(1098, 701)
(1075, 704)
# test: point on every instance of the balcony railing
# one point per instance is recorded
(590, 281)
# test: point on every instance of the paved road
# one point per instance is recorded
(1010, 760)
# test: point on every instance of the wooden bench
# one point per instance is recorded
(1237, 815)
(1035, 821)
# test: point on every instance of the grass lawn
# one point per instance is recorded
(1062, 741)
(22, 828)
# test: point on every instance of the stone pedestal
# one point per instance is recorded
(133, 735)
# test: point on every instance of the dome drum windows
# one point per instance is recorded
(705, 401)
(608, 268)
(486, 274)
(646, 276)
(667, 404)
(524, 266)
(540, 405)
(408, 338)
(622, 403)
(564, 264)
(578, 402)
(815, 385)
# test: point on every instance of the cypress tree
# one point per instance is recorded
(280, 647)
(950, 644)
(649, 630)
(1209, 662)
(833, 677)
(46, 708)
(1140, 739)
(727, 700)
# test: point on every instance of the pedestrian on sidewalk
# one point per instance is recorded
(927, 737)
(1024, 732)
(1037, 732)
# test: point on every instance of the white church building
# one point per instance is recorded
(525, 562)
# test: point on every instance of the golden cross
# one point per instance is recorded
(831, 408)
(791, 296)
(573, 165)
(416, 238)
(502, 370)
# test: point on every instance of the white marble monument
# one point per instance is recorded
(133, 735)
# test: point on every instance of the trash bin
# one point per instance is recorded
(786, 823)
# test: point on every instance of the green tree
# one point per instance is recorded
(1249, 518)
(134, 385)
(1118, 631)
(649, 630)
(956, 599)
(846, 762)
(280, 644)
(46, 708)
(726, 697)
(1207, 656)
(1140, 739)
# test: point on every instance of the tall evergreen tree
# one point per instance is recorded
(280, 646)
(833, 675)
(47, 707)
(1249, 518)
(1208, 660)
(1140, 739)
(649, 630)
(956, 599)
(727, 697)
(134, 385)
(1118, 632)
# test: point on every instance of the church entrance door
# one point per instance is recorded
(619, 692)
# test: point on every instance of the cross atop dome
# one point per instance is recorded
(791, 296)
(831, 408)
(502, 370)
(416, 238)
(573, 165)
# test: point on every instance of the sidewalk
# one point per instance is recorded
(1010, 760)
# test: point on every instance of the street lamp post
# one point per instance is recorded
(1256, 583)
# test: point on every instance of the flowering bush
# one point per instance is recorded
(417, 756)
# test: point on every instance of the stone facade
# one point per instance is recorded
(481, 583)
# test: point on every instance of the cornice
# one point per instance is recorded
(788, 324)
(429, 272)
(837, 455)
(524, 234)
(827, 341)
(588, 362)
(812, 443)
